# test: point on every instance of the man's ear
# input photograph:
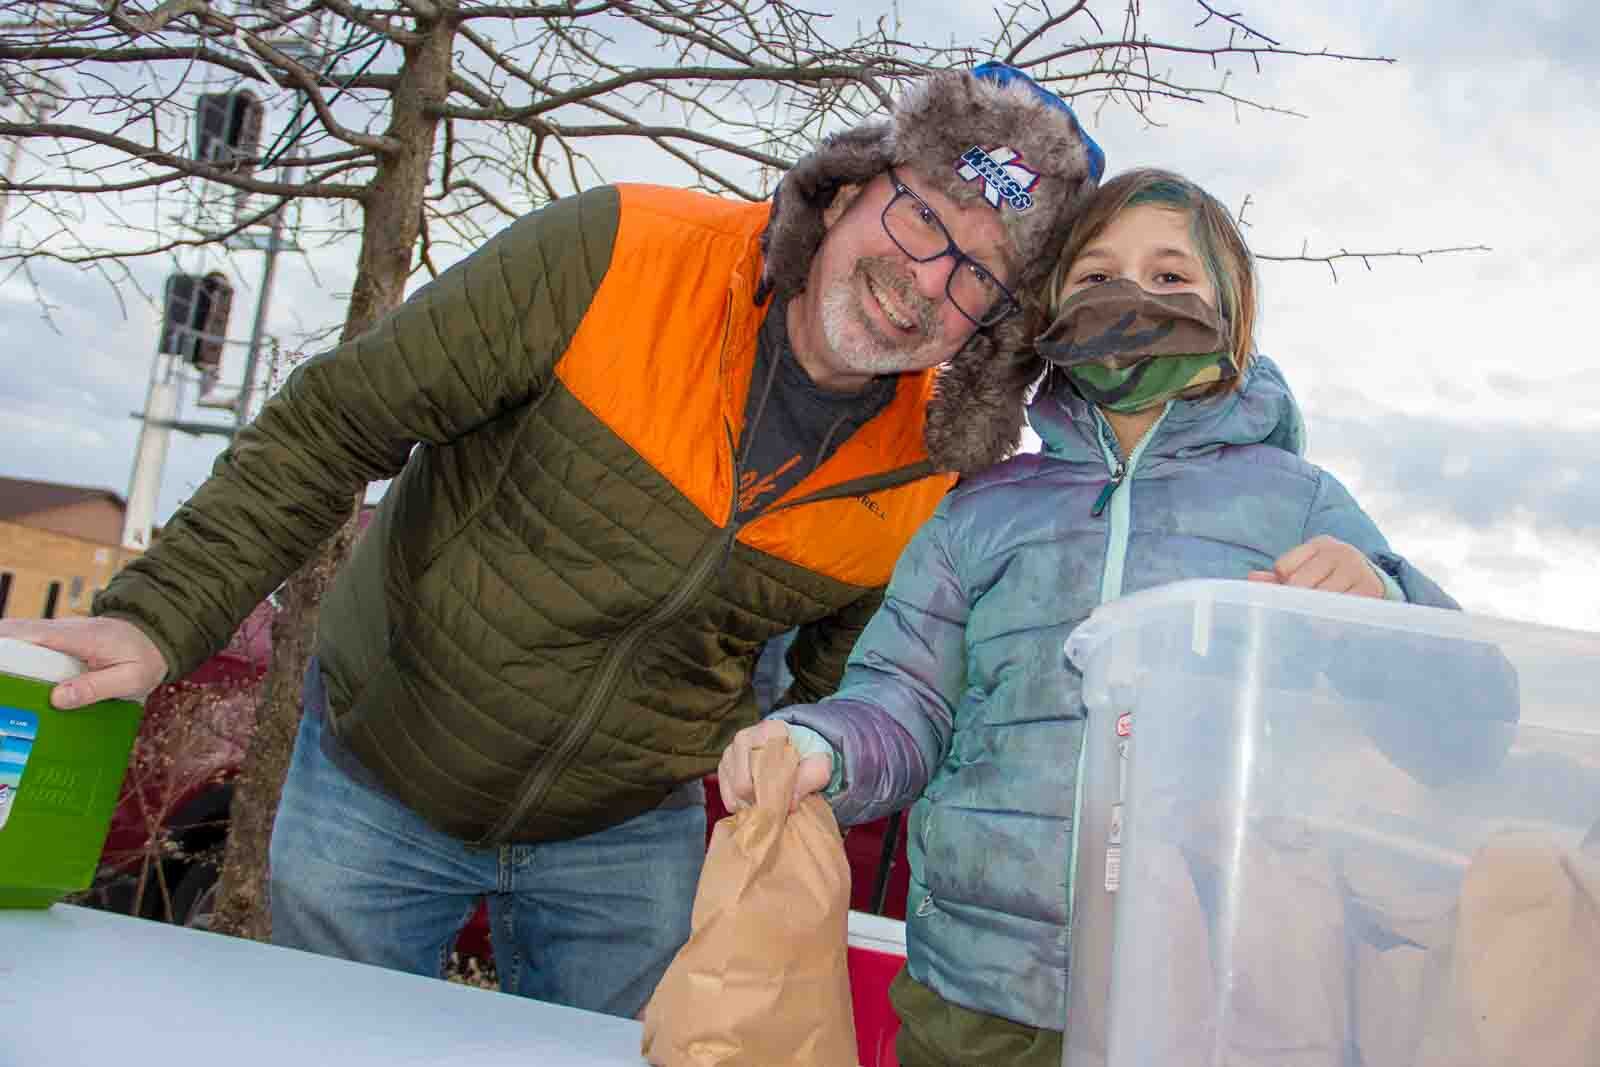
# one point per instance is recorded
(841, 201)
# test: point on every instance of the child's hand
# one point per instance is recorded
(738, 786)
(1325, 563)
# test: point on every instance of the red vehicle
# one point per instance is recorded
(163, 854)
(164, 850)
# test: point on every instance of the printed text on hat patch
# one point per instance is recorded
(1004, 177)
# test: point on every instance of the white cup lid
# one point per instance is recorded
(32, 661)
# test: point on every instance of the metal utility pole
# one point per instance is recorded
(150, 457)
(258, 328)
(159, 417)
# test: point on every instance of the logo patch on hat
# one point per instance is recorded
(1003, 174)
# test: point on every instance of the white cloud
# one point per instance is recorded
(1458, 397)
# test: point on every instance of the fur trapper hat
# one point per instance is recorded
(991, 132)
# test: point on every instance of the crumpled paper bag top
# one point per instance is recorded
(763, 980)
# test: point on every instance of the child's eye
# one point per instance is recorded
(1168, 277)
(1093, 277)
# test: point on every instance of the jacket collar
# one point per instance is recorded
(1261, 411)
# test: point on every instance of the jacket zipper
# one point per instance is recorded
(712, 558)
(1110, 581)
(1117, 533)
(538, 781)
(1120, 472)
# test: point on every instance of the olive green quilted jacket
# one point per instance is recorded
(552, 619)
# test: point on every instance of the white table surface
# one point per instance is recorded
(82, 988)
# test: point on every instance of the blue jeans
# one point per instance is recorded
(591, 922)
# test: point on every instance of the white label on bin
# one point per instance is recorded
(1114, 835)
(1114, 851)
(18, 730)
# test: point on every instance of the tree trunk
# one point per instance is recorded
(391, 223)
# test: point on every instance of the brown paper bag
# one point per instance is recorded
(1183, 990)
(1518, 985)
(763, 980)
(1285, 970)
(1400, 914)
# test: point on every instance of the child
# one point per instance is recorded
(1171, 451)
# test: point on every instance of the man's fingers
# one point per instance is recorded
(57, 636)
(123, 681)
(122, 662)
(75, 639)
(20, 630)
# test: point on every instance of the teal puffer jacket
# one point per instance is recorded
(958, 695)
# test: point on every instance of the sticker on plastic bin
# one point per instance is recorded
(1114, 851)
(18, 730)
(1114, 836)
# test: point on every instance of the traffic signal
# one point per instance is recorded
(195, 323)
(227, 130)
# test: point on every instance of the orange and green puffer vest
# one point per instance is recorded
(551, 621)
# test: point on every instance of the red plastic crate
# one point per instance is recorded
(877, 952)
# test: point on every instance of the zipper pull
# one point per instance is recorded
(1104, 498)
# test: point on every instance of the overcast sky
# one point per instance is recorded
(1458, 397)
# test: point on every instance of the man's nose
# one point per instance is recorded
(933, 276)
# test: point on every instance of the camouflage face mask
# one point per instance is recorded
(1127, 349)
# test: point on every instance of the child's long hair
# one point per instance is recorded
(1216, 237)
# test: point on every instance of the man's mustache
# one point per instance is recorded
(887, 275)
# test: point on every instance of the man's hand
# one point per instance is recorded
(738, 785)
(1324, 563)
(123, 663)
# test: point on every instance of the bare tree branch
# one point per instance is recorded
(137, 153)
(1366, 258)
(550, 11)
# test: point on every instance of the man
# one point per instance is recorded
(633, 437)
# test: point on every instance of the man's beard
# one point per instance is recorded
(858, 341)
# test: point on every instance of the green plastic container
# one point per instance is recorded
(60, 776)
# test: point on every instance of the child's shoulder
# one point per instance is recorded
(1276, 460)
(1021, 468)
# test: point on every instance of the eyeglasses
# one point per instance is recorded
(916, 230)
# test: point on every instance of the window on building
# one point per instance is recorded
(75, 591)
(51, 595)
(5, 591)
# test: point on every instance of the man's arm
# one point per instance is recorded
(821, 649)
(479, 341)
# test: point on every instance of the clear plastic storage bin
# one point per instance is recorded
(1327, 831)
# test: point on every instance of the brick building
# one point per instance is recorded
(58, 545)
